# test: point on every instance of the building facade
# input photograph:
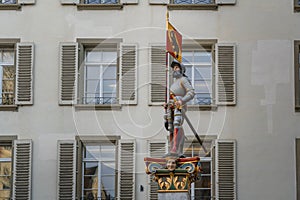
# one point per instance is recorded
(83, 84)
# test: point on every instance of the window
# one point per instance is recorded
(99, 172)
(202, 188)
(7, 76)
(8, 2)
(101, 1)
(5, 170)
(193, 1)
(101, 69)
(14, 4)
(199, 71)
(296, 5)
(297, 74)
(15, 154)
(97, 74)
(96, 167)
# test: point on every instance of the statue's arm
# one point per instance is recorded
(190, 92)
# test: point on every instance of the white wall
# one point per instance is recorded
(263, 121)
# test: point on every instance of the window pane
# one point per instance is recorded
(93, 56)
(5, 169)
(5, 151)
(108, 152)
(109, 56)
(109, 86)
(93, 86)
(101, 1)
(8, 57)
(202, 195)
(110, 72)
(108, 195)
(108, 182)
(92, 152)
(90, 194)
(93, 72)
(202, 73)
(91, 168)
(202, 86)
(201, 57)
(205, 167)
(8, 1)
(90, 182)
(203, 99)
(108, 168)
(204, 182)
(188, 71)
(187, 57)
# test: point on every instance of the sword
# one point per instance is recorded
(194, 131)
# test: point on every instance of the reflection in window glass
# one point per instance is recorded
(199, 70)
(101, 1)
(100, 77)
(193, 1)
(99, 172)
(7, 77)
(201, 189)
(5, 171)
(8, 2)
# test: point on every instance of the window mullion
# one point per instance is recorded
(99, 180)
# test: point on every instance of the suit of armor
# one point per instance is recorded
(180, 90)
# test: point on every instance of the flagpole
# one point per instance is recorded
(167, 61)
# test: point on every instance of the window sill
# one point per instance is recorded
(296, 8)
(10, 7)
(192, 7)
(98, 107)
(8, 108)
(99, 6)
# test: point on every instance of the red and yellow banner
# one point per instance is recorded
(174, 42)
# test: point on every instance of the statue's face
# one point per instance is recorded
(171, 164)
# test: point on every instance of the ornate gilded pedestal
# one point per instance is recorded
(173, 175)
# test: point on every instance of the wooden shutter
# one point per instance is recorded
(126, 178)
(69, 2)
(225, 169)
(24, 73)
(159, 2)
(68, 73)
(26, 2)
(225, 2)
(158, 74)
(129, 1)
(226, 74)
(156, 150)
(22, 170)
(128, 74)
(66, 187)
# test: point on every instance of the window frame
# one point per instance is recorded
(204, 45)
(173, 6)
(84, 6)
(101, 44)
(94, 140)
(296, 6)
(208, 139)
(11, 44)
(296, 74)
(9, 140)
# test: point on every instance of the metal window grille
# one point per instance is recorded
(193, 1)
(101, 1)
